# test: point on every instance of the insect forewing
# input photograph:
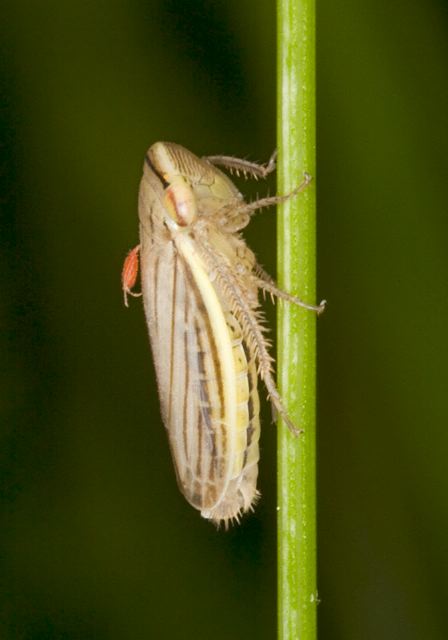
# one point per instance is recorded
(206, 373)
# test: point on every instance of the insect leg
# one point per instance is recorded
(252, 332)
(129, 274)
(265, 282)
(262, 203)
(247, 168)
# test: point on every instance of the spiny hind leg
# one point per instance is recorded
(237, 165)
(252, 328)
(264, 281)
(276, 401)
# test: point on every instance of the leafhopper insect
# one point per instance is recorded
(200, 285)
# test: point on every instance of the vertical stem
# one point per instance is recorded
(297, 594)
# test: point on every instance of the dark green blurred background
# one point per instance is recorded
(96, 540)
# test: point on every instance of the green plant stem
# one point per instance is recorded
(297, 594)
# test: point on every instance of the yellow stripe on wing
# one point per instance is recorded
(222, 340)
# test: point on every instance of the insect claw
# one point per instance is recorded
(307, 178)
(322, 306)
(291, 426)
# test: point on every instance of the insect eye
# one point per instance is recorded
(181, 202)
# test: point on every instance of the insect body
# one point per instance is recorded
(200, 286)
